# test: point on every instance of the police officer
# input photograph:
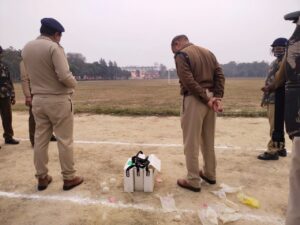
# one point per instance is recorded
(268, 101)
(52, 85)
(202, 86)
(292, 114)
(7, 98)
(28, 102)
(289, 73)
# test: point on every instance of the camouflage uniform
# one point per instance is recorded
(268, 101)
(269, 97)
(7, 94)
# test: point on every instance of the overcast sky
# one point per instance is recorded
(138, 32)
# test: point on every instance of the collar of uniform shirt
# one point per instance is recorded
(186, 45)
(44, 37)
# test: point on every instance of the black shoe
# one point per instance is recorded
(11, 141)
(282, 152)
(206, 179)
(53, 138)
(268, 156)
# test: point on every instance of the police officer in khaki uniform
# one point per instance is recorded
(28, 102)
(202, 86)
(7, 98)
(52, 85)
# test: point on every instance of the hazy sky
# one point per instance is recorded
(138, 32)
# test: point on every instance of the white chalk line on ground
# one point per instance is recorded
(222, 147)
(274, 220)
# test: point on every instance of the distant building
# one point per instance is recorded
(143, 72)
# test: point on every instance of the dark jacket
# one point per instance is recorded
(199, 72)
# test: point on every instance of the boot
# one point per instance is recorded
(268, 156)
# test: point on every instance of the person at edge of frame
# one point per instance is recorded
(270, 99)
(7, 98)
(289, 73)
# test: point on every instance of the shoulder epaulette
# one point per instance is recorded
(185, 56)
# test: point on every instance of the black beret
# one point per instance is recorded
(52, 24)
(292, 16)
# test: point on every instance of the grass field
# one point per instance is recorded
(155, 97)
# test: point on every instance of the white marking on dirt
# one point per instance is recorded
(83, 201)
(222, 147)
(274, 220)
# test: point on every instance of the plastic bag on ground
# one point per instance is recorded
(229, 189)
(168, 203)
(232, 204)
(226, 189)
(247, 200)
(220, 193)
(227, 214)
(208, 216)
(230, 217)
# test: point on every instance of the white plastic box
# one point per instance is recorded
(128, 178)
(139, 176)
(144, 181)
(149, 177)
(138, 179)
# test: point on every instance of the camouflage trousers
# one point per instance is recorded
(6, 116)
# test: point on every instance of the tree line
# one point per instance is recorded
(96, 70)
(78, 66)
(254, 69)
(231, 69)
(110, 71)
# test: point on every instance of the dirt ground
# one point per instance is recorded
(103, 144)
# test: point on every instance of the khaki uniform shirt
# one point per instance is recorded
(47, 67)
(25, 80)
(202, 73)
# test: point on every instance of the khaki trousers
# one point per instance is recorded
(271, 116)
(53, 113)
(293, 211)
(31, 125)
(198, 128)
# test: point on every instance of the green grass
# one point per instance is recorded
(155, 97)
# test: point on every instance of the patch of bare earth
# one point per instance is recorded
(238, 142)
